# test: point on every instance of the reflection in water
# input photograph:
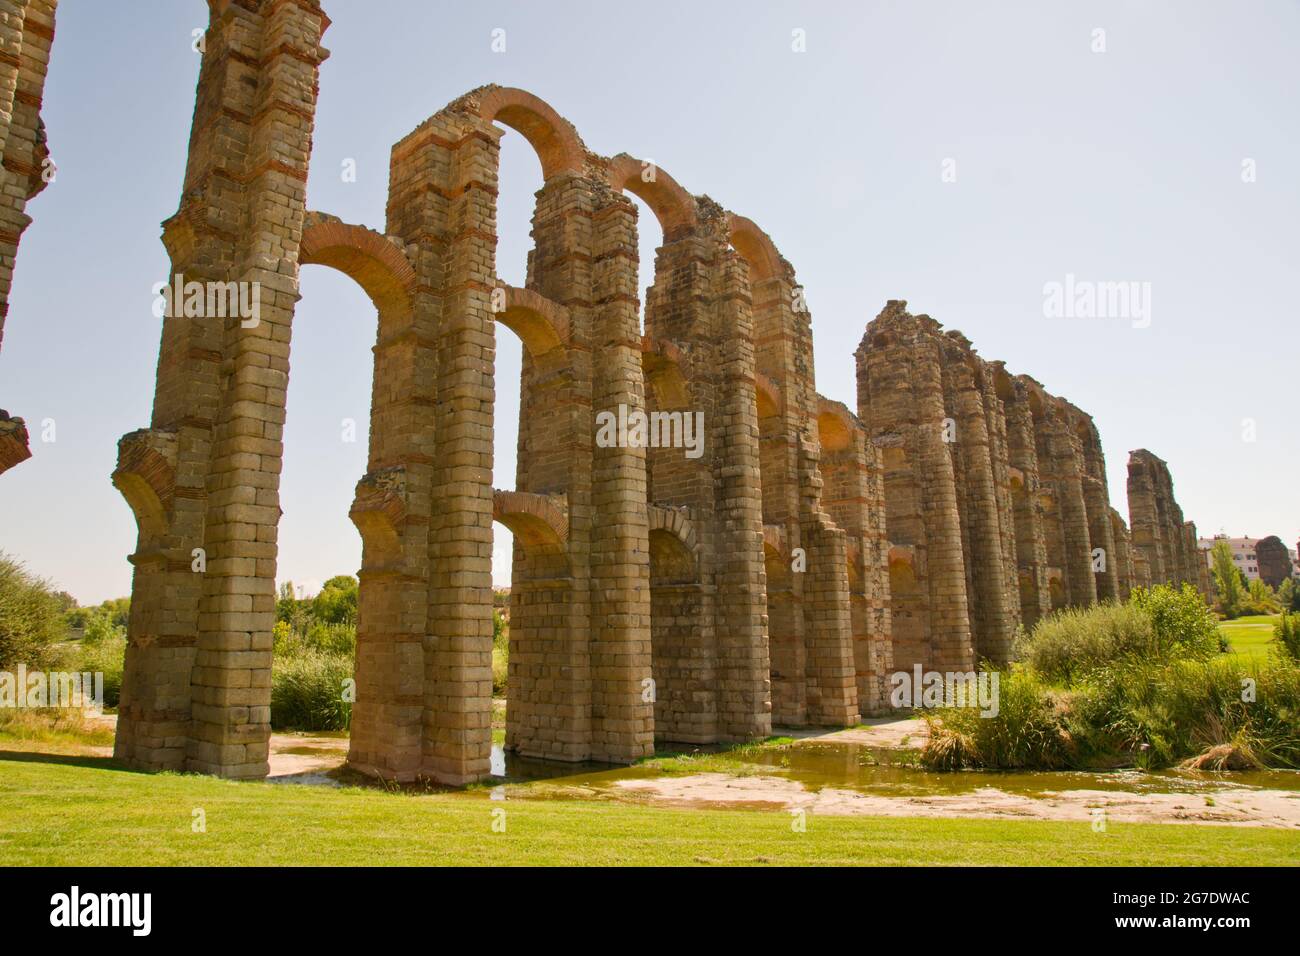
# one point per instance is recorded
(884, 772)
(870, 770)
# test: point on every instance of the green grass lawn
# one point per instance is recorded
(66, 810)
(1250, 636)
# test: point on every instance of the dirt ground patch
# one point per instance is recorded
(291, 753)
(1242, 807)
(890, 733)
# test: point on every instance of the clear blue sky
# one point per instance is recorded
(1122, 165)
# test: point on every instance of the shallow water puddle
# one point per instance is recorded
(845, 777)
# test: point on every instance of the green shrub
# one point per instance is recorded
(500, 653)
(307, 690)
(1184, 626)
(1073, 641)
(1286, 632)
(1027, 731)
(31, 616)
(1226, 713)
(1155, 715)
(333, 638)
(1158, 624)
(104, 655)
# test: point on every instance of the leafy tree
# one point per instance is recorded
(337, 601)
(31, 616)
(1287, 634)
(1226, 579)
(1262, 598)
(1288, 595)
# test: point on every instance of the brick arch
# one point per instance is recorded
(552, 137)
(535, 520)
(768, 394)
(373, 261)
(835, 425)
(1003, 383)
(672, 205)
(765, 262)
(146, 478)
(541, 324)
(662, 363)
(774, 541)
(675, 522)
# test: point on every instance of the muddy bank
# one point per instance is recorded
(1240, 806)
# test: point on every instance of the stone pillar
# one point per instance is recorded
(203, 480)
(622, 716)
(1125, 572)
(1031, 542)
(900, 398)
(853, 496)
(1157, 522)
(457, 740)
(745, 698)
(1067, 469)
(549, 698)
(231, 680)
(1096, 496)
(993, 621)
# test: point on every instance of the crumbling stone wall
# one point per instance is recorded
(997, 505)
(902, 402)
(1274, 560)
(26, 34)
(1166, 543)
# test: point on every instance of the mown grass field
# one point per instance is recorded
(67, 810)
(1250, 636)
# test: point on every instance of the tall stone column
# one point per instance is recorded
(203, 480)
(231, 680)
(901, 400)
(622, 714)
(993, 620)
(1096, 497)
(1077, 543)
(1148, 504)
(745, 703)
(458, 644)
(1125, 573)
(1031, 542)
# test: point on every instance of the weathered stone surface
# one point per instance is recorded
(1274, 560)
(760, 555)
(1165, 541)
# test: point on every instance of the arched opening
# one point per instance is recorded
(909, 629)
(1023, 518)
(682, 664)
(375, 621)
(650, 244)
(540, 647)
(1056, 589)
(519, 178)
(834, 430)
(326, 450)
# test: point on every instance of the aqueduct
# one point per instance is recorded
(641, 608)
(778, 578)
